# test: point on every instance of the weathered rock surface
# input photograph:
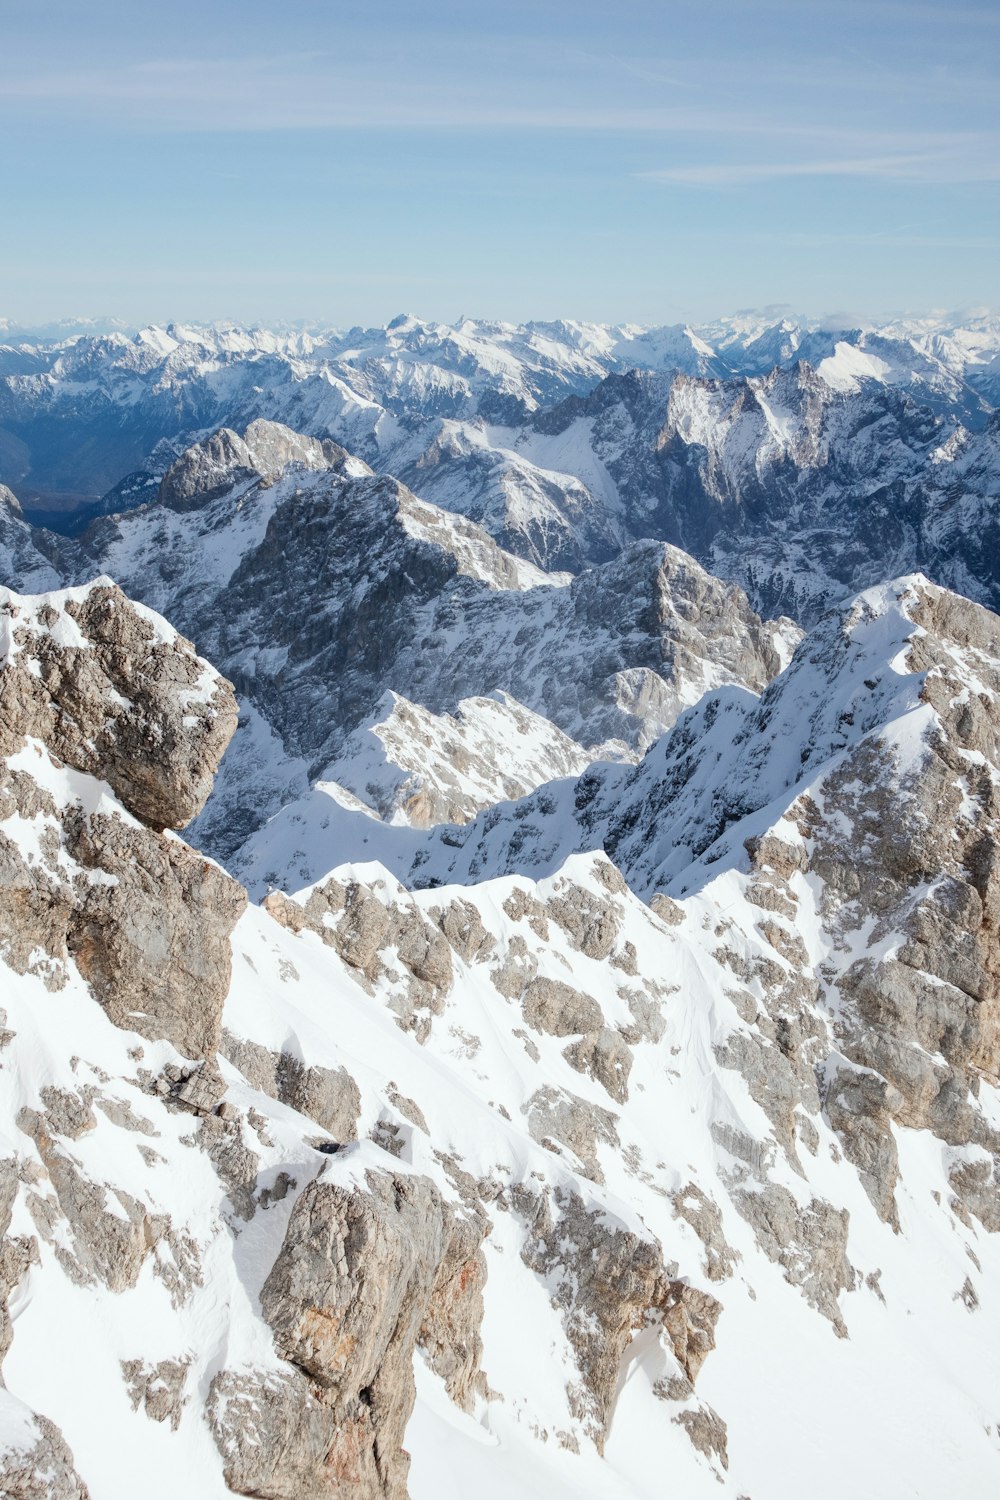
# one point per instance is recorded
(329, 1096)
(115, 693)
(347, 1299)
(608, 1282)
(90, 680)
(224, 460)
(36, 1464)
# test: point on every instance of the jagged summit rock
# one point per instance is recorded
(120, 707)
(225, 460)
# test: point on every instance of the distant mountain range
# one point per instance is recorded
(79, 411)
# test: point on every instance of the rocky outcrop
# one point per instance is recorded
(329, 1096)
(920, 1026)
(353, 1287)
(450, 1331)
(111, 690)
(94, 683)
(279, 1440)
(608, 1283)
(35, 1460)
(153, 939)
(224, 461)
(383, 935)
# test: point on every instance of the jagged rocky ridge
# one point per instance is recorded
(320, 587)
(622, 1188)
(799, 489)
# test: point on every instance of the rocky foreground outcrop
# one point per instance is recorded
(95, 687)
(823, 860)
(515, 1169)
(127, 1051)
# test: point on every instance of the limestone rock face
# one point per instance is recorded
(92, 681)
(113, 692)
(327, 1095)
(347, 1298)
(36, 1464)
(279, 1440)
(153, 939)
(225, 460)
(450, 1332)
(381, 933)
(609, 1283)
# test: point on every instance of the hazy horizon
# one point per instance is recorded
(68, 325)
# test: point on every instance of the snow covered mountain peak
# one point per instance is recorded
(622, 1007)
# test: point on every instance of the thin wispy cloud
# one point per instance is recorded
(316, 90)
(519, 163)
(927, 167)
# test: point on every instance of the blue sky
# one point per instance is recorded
(622, 160)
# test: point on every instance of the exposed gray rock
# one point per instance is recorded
(199, 1089)
(860, 1106)
(110, 1244)
(649, 1022)
(702, 1213)
(608, 1283)
(347, 1298)
(224, 461)
(707, 1431)
(377, 939)
(976, 1183)
(463, 927)
(158, 1389)
(450, 1332)
(17, 1252)
(606, 1056)
(809, 1243)
(557, 1116)
(280, 1440)
(558, 1009)
(38, 1465)
(146, 920)
(329, 1096)
(154, 941)
(235, 1162)
(130, 703)
(590, 922)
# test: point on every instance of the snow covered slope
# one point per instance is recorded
(412, 766)
(571, 1194)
